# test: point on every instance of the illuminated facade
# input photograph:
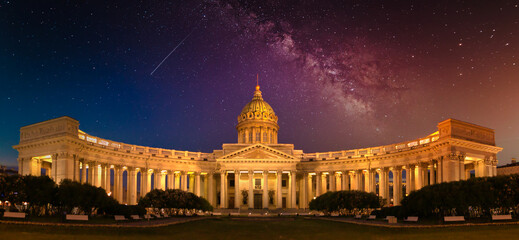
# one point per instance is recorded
(257, 171)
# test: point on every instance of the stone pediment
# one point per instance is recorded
(257, 151)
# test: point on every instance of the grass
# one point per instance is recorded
(225, 228)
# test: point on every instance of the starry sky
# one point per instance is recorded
(340, 75)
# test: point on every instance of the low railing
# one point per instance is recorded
(365, 152)
(156, 152)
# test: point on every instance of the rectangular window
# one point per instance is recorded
(284, 183)
(258, 136)
(257, 181)
(250, 137)
(231, 183)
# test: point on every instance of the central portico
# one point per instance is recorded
(264, 172)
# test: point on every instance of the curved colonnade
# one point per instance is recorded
(256, 175)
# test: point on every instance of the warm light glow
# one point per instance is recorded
(91, 139)
(103, 142)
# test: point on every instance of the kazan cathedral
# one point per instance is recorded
(257, 172)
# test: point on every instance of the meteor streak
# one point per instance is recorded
(178, 45)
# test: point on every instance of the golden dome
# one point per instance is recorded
(257, 109)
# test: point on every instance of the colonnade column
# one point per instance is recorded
(461, 171)
(304, 194)
(76, 169)
(117, 184)
(409, 179)
(384, 184)
(333, 182)
(132, 186)
(318, 184)
(83, 172)
(397, 186)
(265, 189)
(223, 184)
(95, 174)
(293, 187)
(91, 173)
(237, 193)
(103, 176)
(183, 181)
(360, 176)
(434, 173)
(324, 179)
(372, 181)
(144, 181)
(418, 171)
(177, 180)
(353, 182)
(210, 188)
(107, 175)
(279, 201)
(250, 199)
(169, 180)
(345, 181)
(197, 183)
(366, 180)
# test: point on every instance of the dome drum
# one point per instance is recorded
(257, 122)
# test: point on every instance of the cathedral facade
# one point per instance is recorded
(257, 172)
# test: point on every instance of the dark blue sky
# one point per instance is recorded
(339, 75)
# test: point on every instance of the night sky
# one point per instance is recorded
(339, 75)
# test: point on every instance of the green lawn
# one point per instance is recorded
(232, 229)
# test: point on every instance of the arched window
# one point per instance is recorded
(258, 136)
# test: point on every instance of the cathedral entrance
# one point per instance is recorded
(258, 201)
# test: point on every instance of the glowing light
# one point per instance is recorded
(91, 139)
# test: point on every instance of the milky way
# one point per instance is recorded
(338, 74)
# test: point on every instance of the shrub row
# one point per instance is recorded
(174, 199)
(349, 200)
(475, 197)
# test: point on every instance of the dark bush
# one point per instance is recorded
(349, 200)
(472, 198)
(174, 198)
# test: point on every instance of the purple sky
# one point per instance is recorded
(339, 75)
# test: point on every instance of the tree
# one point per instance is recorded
(38, 192)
